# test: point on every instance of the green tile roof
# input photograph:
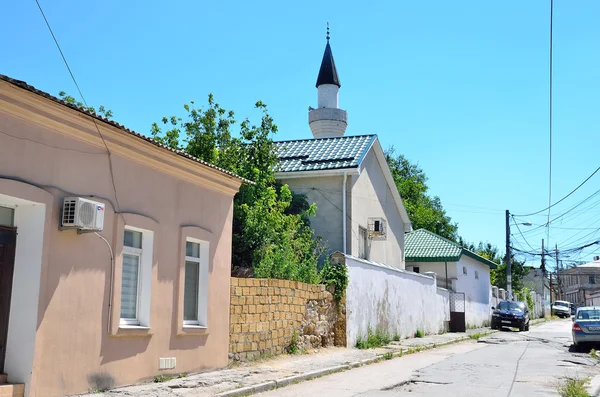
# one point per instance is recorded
(424, 246)
(323, 153)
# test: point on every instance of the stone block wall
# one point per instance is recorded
(266, 313)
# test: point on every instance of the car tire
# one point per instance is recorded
(527, 327)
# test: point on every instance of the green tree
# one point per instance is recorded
(424, 211)
(102, 111)
(271, 229)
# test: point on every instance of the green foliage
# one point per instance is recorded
(162, 378)
(594, 354)
(294, 347)
(373, 339)
(182, 375)
(574, 388)
(396, 337)
(419, 334)
(336, 275)
(423, 210)
(72, 101)
(476, 336)
(271, 229)
(388, 356)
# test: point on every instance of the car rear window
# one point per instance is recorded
(591, 314)
(565, 304)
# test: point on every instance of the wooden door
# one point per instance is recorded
(8, 239)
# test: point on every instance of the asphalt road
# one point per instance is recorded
(504, 364)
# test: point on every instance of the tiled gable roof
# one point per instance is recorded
(323, 153)
(424, 246)
(25, 86)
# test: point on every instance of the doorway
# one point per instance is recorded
(8, 240)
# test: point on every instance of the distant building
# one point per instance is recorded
(581, 285)
(536, 281)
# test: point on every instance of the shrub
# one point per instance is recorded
(294, 347)
(335, 275)
(388, 356)
(574, 388)
(419, 334)
(373, 339)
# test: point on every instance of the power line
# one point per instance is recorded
(562, 199)
(550, 119)
(110, 165)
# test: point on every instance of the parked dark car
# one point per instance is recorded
(573, 309)
(511, 314)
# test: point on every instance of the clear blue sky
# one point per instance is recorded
(459, 87)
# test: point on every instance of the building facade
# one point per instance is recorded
(148, 292)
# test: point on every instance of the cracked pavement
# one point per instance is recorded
(504, 364)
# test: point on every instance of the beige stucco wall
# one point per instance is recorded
(326, 193)
(372, 197)
(45, 144)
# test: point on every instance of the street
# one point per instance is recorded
(507, 363)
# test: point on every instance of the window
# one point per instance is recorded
(130, 279)
(592, 279)
(416, 269)
(465, 270)
(476, 275)
(195, 290)
(136, 277)
(7, 216)
(362, 242)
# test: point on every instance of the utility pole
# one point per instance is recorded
(543, 267)
(558, 273)
(508, 267)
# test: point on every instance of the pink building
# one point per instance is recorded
(129, 278)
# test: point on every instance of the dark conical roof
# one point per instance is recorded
(328, 72)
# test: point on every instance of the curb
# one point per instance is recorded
(274, 384)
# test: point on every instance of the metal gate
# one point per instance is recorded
(457, 312)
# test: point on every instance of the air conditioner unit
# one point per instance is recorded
(82, 214)
(377, 228)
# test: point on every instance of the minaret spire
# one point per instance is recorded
(328, 120)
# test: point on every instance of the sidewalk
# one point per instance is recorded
(251, 377)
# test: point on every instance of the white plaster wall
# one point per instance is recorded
(477, 291)
(438, 268)
(372, 197)
(326, 193)
(30, 220)
(392, 300)
(328, 96)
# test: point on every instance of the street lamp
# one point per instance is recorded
(507, 259)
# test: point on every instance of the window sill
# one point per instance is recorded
(133, 330)
(190, 329)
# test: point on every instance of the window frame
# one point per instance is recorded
(363, 241)
(144, 281)
(133, 252)
(203, 275)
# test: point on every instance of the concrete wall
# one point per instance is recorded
(265, 314)
(392, 300)
(371, 197)
(52, 152)
(477, 291)
(326, 193)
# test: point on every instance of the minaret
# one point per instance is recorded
(327, 120)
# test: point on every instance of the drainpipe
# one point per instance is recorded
(112, 271)
(446, 266)
(344, 210)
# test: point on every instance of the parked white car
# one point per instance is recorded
(561, 309)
